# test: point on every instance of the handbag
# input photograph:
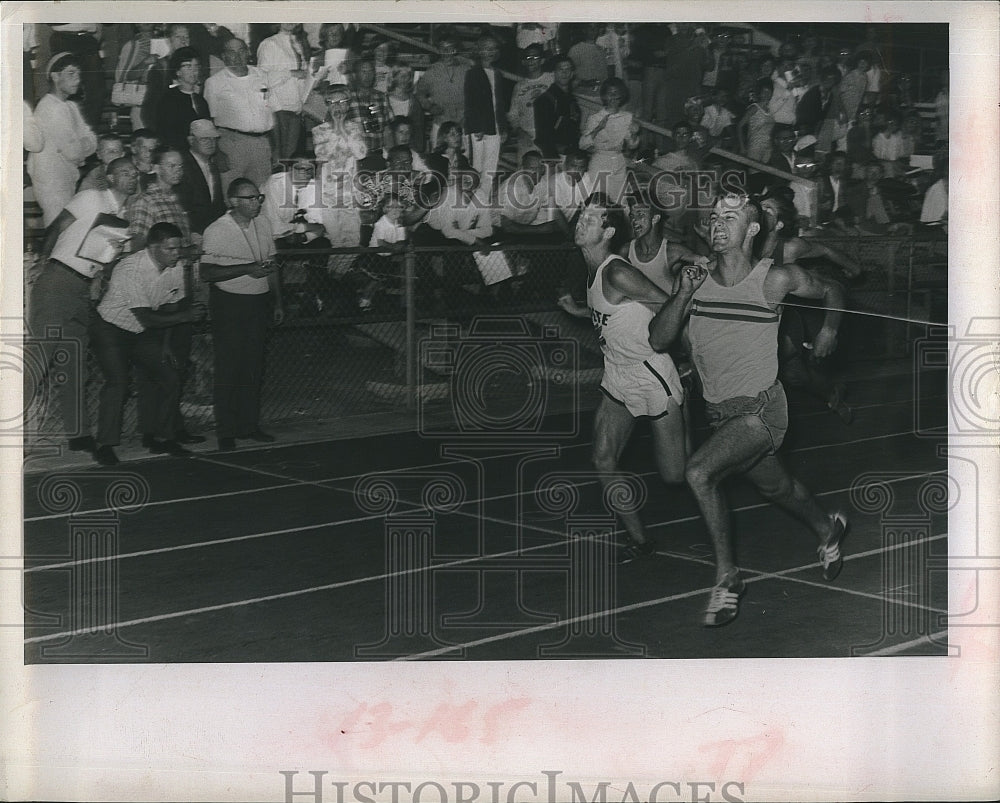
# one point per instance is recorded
(128, 93)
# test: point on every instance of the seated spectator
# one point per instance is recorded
(757, 123)
(859, 141)
(403, 103)
(935, 204)
(398, 179)
(521, 115)
(441, 90)
(869, 208)
(854, 85)
(160, 203)
(182, 102)
(568, 189)
(525, 215)
(702, 140)
(390, 234)
(679, 157)
(55, 169)
(109, 148)
(832, 127)
(557, 113)
(401, 134)
(144, 299)
(589, 61)
(888, 147)
(448, 155)
(717, 117)
(200, 188)
(783, 148)
(831, 186)
(912, 135)
(144, 142)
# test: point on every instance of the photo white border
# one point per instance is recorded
(789, 729)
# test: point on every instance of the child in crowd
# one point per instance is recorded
(389, 235)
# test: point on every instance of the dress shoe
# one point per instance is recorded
(227, 444)
(260, 436)
(106, 456)
(183, 436)
(85, 443)
(172, 448)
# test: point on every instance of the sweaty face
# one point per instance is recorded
(728, 223)
(641, 218)
(590, 226)
(167, 252)
(125, 179)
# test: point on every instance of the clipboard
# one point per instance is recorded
(104, 240)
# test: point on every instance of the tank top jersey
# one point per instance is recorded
(734, 336)
(656, 269)
(622, 329)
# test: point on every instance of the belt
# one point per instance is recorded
(246, 133)
(74, 271)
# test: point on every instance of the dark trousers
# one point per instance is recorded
(117, 350)
(239, 326)
(59, 316)
(178, 340)
(286, 132)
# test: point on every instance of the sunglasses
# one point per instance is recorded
(258, 198)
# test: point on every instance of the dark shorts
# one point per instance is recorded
(770, 406)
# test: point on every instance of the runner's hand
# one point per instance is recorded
(692, 277)
(824, 343)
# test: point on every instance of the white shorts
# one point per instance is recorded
(646, 388)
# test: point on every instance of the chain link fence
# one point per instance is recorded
(406, 333)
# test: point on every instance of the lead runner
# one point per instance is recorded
(733, 308)
(638, 382)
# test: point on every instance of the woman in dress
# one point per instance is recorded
(182, 102)
(339, 144)
(609, 135)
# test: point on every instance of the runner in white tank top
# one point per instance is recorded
(650, 252)
(734, 342)
(638, 381)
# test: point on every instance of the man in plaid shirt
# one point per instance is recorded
(369, 106)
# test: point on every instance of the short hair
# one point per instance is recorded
(236, 184)
(530, 155)
(784, 199)
(576, 153)
(173, 26)
(835, 155)
(161, 232)
(749, 202)
(830, 72)
(560, 59)
(181, 56)
(614, 218)
(642, 197)
(109, 137)
(615, 83)
(162, 150)
(398, 122)
(145, 133)
(116, 164)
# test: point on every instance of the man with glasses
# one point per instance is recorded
(440, 90)
(239, 99)
(522, 102)
(733, 331)
(244, 285)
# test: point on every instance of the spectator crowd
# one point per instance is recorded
(173, 163)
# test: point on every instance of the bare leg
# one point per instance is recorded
(613, 426)
(776, 485)
(671, 444)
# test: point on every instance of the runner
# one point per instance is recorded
(638, 382)
(734, 309)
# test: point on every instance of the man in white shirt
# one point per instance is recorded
(282, 59)
(59, 297)
(239, 99)
(239, 265)
(145, 297)
(569, 188)
(521, 115)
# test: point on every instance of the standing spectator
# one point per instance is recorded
(145, 298)
(809, 109)
(524, 210)
(134, 62)
(608, 134)
(200, 188)
(60, 296)
(440, 90)
(238, 98)
(55, 169)
(384, 58)
(859, 141)
(403, 103)
(783, 148)
(284, 61)
(144, 142)
(521, 115)
(208, 39)
(687, 59)
(239, 265)
(568, 188)
(159, 76)
(339, 144)
(368, 106)
(833, 122)
(648, 48)
(83, 40)
(717, 117)
(182, 102)
(758, 122)
(615, 44)
(557, 113)
(889, 148)
(854, 85)
(935, 205)
(109, 148)
(588, 57)
(34, 139)
(486, 111)
(831, 186)
(787, 80)
(159, 203)
(941, 111)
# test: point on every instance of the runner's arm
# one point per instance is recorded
(667, 323)
(791, 279)
(806, 249)
(627, 283)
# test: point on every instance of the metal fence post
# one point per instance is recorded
(411, 329)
